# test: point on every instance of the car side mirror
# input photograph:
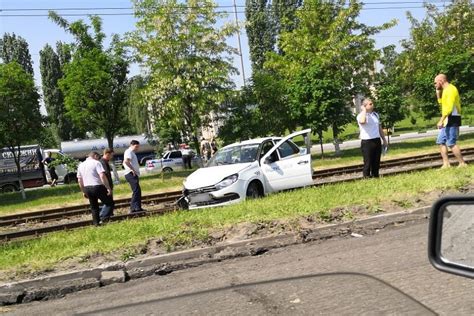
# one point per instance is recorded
(451, 235)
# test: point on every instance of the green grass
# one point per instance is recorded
(397, 150)
(186, 227)
(65, 195)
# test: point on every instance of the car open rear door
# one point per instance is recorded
(287, 166)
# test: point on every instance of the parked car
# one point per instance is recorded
(250, 169)
(171, 161)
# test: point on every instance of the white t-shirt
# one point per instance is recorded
(370, 129)
(130, 154)
(90, 171)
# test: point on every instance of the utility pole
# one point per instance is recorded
(240, 44)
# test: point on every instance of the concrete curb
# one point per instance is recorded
(59, 285)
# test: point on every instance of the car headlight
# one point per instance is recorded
(227, 181)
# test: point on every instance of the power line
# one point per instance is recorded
(222, 12)
(197, 7)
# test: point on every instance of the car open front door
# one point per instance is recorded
(287, 166)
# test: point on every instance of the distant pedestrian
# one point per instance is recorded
(187, 156)
(205, 149)
(107, 211)
(213, 147)
(132, 174)
(448, 125)
(371, 135)
(94, 185)
(48, 161)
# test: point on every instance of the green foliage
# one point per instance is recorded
(15, 48)
(67, 161)
(20, 118)
(260, 30)
(188, 60)
(137, 108)
(94, 82)
(442, 42)
(51, 69)
(326, 60)
(389, 101)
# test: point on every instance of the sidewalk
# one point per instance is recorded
(329, 147)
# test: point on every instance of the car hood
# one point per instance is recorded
(204, 177)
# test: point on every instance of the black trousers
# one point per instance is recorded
(136, 202)
(187, 161)
(96, 193)
(371, 151)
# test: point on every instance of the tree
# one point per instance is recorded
(260, 29)
(15, 48)
(94, 82)
(51, 70)
(284, 12)
(188, 60)
(388, 91)
(137, 108)
(326, 60)
(442, 42)
(20, 118)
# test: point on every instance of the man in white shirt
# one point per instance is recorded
(132, 173)
(94, 185)
(372, 136)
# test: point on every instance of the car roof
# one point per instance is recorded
(253, 141)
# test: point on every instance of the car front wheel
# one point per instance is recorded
(253, 191)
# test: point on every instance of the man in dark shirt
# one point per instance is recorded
(107, 211)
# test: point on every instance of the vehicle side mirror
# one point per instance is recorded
(451, 235)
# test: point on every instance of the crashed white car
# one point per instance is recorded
(250, 169)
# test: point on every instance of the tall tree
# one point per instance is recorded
(51, 73)
(284, 12)
(15, 48)
(388, 92)
(326, 60)
(260, 29)
(442, 42)
(94, 82)
(20, 118)
(188, 60)
(137, 109)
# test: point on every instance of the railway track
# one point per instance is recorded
(322, 177)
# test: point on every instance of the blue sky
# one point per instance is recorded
(40, 30)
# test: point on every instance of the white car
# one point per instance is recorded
(250, 169)
(171, 161)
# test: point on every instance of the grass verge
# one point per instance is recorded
(397, 150)
(185, 228)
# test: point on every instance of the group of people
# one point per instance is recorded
(95, 180)
(208, 148)
(372, 136)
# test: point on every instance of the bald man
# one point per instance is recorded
(448, 125)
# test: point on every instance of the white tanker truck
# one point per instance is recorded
(79, 149)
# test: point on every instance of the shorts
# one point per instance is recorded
(448, 136)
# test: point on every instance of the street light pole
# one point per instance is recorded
(240, 45)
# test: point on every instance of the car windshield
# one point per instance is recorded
(235, 154)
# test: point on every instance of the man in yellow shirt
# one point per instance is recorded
(448, 124)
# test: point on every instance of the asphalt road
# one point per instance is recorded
(386, 273)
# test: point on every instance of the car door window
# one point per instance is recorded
(288, 149)
(265, 148)
(176, 154)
